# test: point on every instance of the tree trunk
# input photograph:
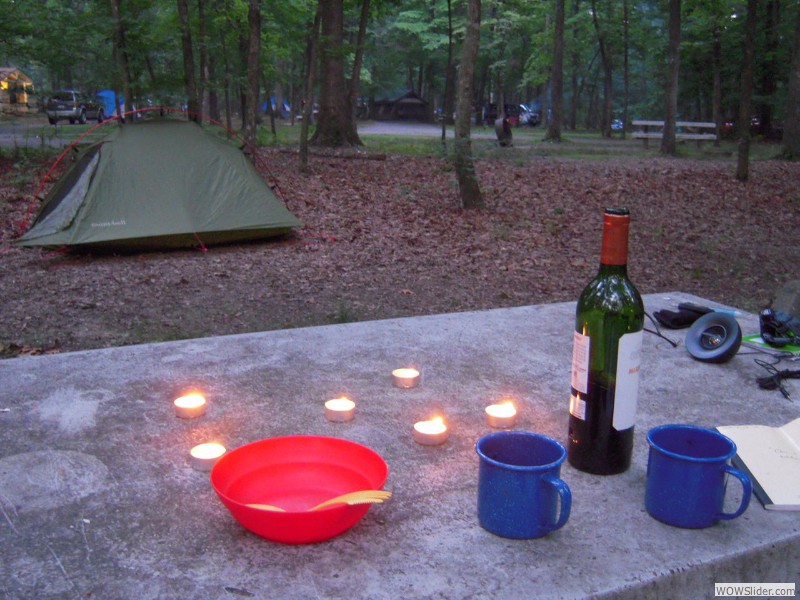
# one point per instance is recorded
(188, 59)
(625, 65)
(335, 125)
(355, 79)
(791, 125)
(213, 72)
(746, 100)
(447, 103)
(253, 69)
(673, 75)
(471, 196)
(121, 55)
(308, 89)
(202, 45)
(575, 64)
(226, 83)
(768, 70)
(608, 72)
(716, 69)
(557, 76)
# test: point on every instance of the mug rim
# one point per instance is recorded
(705, 430)
(521, 433)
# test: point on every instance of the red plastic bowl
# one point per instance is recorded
(296, 473)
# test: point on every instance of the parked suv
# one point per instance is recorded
(72, 105)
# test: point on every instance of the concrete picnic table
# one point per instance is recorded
(98, 500)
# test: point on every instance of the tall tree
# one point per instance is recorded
(308, 88)
(791, 128)
(471, 196)
(188, 59)
(355, 78)
(716, 68)
(575, 64)
(768, 69)
(673, 78)
(336, 124)
(606, 56)
(745, 101)
(557, 76)
(121, 54)
(250, 120)
(626, 46)
(202, 34)
(447, 101)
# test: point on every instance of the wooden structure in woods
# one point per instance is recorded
(16, 90)
(408, 107)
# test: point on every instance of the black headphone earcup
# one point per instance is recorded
(714, 338)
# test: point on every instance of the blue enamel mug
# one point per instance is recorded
(687, 475)
(520, 492)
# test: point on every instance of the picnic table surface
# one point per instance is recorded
(98, 499)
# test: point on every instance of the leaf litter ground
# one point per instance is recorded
(386, 238)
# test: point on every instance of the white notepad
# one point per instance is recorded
(771, 456)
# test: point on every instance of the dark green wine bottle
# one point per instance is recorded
(606, 355)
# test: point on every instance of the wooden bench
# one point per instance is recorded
(691, 130)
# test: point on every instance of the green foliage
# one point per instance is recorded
(68, 43)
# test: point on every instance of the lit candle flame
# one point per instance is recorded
(192, 400)
(405, 372)
(343, 403)
(506, 409)
(431, 427)
(208, 451)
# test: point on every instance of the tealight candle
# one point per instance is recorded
(501, 416)
(431, 433)
(405, 378)
(190, 406)
(203, 457)
(340, 410)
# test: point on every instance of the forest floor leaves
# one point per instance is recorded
(387, 238)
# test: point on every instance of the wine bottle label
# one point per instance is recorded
(577, 407)
(629, 358)
(580, 362)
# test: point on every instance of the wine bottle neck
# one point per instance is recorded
(614, 251)
(613, 270)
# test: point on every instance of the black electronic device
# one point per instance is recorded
(714, 338)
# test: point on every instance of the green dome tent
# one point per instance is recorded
(158, 184)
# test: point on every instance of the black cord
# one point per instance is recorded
(658, 331)
(774, 381)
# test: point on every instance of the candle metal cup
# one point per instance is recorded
(406, 378)
(190, 406)
(203, 457)
(501, 416)
(340, 410)
(431, 433)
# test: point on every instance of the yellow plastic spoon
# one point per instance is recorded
(359, 497)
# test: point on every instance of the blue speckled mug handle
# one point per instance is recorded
(566, 501)
(747, 491)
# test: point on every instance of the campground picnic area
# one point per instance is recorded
(387, 238)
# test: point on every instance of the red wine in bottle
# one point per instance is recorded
(607, 345)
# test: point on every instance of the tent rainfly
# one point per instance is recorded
(154, 185)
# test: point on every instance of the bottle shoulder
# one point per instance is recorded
(612, 293)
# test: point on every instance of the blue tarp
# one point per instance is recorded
(106, 98)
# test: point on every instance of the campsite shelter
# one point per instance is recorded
(155, 184)
(16, 90)
(409, 106)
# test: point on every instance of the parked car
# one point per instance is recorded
(73, 106)
(617, 125)
(528, 116)
(517, 114)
